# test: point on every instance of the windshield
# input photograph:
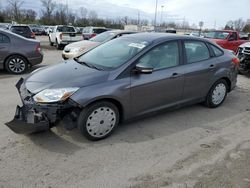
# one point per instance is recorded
(65, 29)
(217, 34)
(103, 37)
(114, 53)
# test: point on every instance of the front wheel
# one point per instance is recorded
(99, 120)
(217, 94)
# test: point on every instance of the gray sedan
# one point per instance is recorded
(124, 78)
(18, 53)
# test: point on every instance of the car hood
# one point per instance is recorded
(218, 41)
(62, 75)
(247, 44)
(85, 44)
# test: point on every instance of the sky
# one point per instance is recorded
(214, 13)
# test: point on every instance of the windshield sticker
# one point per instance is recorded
(137, 45)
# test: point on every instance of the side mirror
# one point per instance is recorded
(143, 69)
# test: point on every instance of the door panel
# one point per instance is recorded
(4, 48)
(199, 70)
(197, 79)
(160, 89)
(164, 86)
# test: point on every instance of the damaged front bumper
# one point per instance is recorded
(27, 121)
(33, 117)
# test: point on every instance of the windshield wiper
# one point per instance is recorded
(87, 64)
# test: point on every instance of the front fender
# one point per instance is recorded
(117, 90)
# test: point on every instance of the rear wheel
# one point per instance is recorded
(217, 94)
(16, 64)
(58, 46)
(99, 120)
(51, 43)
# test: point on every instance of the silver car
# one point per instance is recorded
(122, 79)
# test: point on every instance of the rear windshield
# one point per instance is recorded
(217, 34)
(98, 31)
(65, 29)
(20, 29)
(103, 37)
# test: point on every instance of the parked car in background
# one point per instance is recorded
(18, 53)
(122, 79)
(243, 54)
(37, 29)
(78, 48)
(23, 30)
(90, 32)
(63, 35)
(226, 39)
(79, 29)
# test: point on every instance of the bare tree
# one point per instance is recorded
(83, 12)
(48, 9)
(15, 8)
(239, 24)
(92, 15)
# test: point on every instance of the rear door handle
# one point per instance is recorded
(175, 75)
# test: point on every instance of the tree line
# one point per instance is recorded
(239, 25)
(53, 13)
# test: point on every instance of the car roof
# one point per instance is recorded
(157, 37)
(121, 31)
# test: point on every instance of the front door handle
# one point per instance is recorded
(212, 66)
(175, 75)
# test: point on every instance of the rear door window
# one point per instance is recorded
(20, 29)
(196, 51)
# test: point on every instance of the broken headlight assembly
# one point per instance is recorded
(54, 95)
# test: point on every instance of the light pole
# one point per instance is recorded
(156, 6)
(162, 12)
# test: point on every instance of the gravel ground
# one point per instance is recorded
(190, 147)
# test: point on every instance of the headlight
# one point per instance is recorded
(54, 95)
(76, 50)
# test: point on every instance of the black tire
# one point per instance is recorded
(51, 43)
(209, 100)
(58, 46)
(85, 116)
(16, 64)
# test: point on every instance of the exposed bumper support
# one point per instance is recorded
(27, 121)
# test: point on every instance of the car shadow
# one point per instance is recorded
(52, 142)
(153, 126)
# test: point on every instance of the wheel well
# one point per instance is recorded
(15, 55)
(228, 83)
(115, 102)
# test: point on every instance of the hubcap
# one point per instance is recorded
(101, 122)
(17, 65)
(219, 93)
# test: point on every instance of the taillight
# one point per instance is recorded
(60, 36)
(92, 35)
(38, 48)
(33, 35)
(236, 61)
